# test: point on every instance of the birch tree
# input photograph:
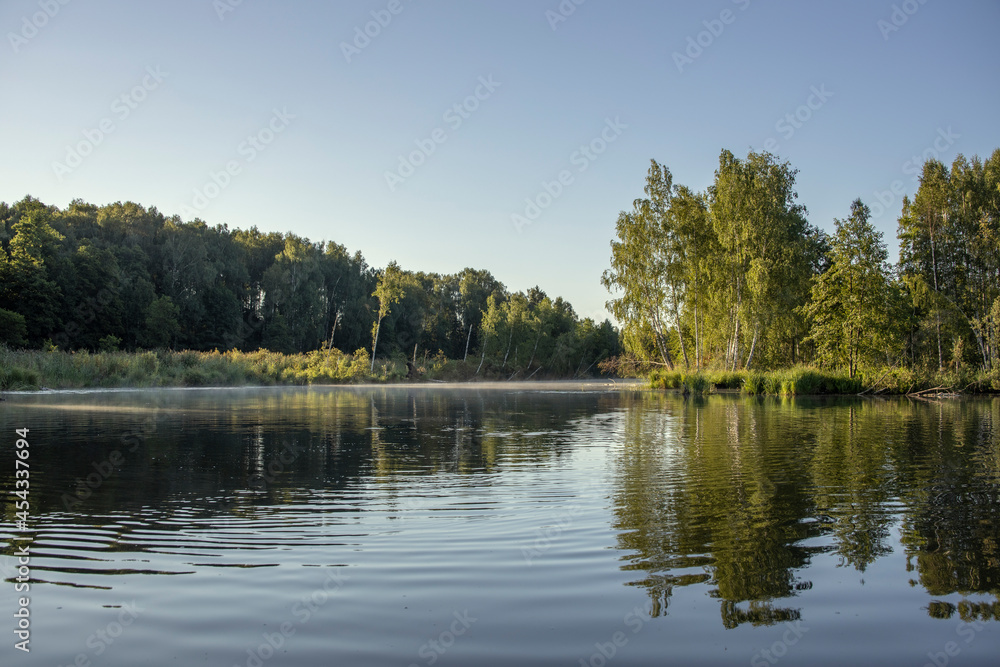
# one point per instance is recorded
(388, 291)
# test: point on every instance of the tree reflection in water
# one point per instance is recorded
(740, 493)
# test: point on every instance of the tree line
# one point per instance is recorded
(126, 277)
(737, 278)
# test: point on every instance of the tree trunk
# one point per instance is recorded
(532, 360)
(680, 337)
(753, 346)
(375, 344)
(483, 357)
(735, 344)
(661, 344)
(467, 341)
(697, 337)
(937, 312)
(329, 346)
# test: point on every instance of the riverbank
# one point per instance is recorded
(806, 380)
(31, 370)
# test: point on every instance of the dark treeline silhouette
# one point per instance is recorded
(121, 276)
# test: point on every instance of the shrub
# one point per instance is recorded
(19, 379)
(109, 343)
(753, 383)
(695, 383)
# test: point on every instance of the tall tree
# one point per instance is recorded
(923, 235)
(388, 291)
(641, 269)
(854, 307)
(25, 285)
(765, 243)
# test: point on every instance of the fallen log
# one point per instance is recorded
(934, 390)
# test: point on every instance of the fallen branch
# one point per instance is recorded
(934, 390)
(875, 385)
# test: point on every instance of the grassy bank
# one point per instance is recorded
(806, 380)
(31, 370)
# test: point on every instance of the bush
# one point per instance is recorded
(753, 383)
(727, 379)
(109, 343)
(15, 379)
(664, 379)
(695, 383)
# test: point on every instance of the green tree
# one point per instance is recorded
(474, 289)
(923, 235)
(388, 291)
(639, 265)
(162, 325)
(765, 255)
(25, 284)
(854, 308)
(13, 329)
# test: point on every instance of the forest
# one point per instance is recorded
(123, 277)
(737, 279)
(733, 280)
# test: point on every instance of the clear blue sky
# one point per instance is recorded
(888, 95)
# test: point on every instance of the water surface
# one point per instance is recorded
(500, 526)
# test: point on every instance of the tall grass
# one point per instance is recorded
(806, 380)
(27, 370)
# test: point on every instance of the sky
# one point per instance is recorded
(504, 136)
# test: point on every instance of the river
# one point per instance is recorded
(550, 524)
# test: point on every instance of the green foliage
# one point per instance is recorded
(753, 383)
(695, 383)
(949, 234)
(109, 343)
(13, 329)
(643, 268)
(18, 379)
(162, 325)
(766, 255)
(726, 379)
(125, 277)
(736, 278)
(663, 379)
(856, 310)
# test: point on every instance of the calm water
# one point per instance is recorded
(464, 526)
